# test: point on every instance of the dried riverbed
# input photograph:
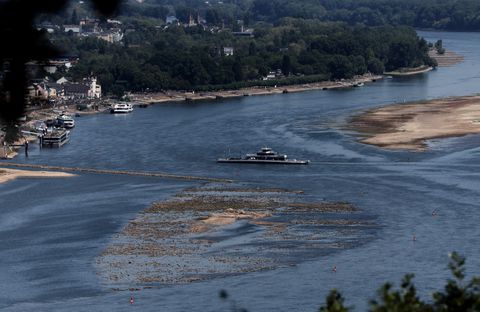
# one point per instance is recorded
(410, 126)
(194, 236)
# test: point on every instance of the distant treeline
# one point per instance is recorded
(153, 58)
(436, 14)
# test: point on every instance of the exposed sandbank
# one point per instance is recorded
(219, 230)
(12, 174)
(409, 126)
(448, 58)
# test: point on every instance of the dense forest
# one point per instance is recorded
(435, 14)
(193, 58)
(301, 41)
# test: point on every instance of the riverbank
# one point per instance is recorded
(7, 175)
(39, 114)
(179, 96)
(410, 126)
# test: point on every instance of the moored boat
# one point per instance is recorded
(56, 138)
(65, 121)
(265, 156)
(119, 108)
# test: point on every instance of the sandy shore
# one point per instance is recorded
(12, 174)
(176, 96)
(409, 126)
(410, 71)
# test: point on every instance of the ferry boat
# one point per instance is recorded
(265, 156)
(55, 138)
(121, 108)
(65, 121)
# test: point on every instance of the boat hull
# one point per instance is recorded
(260, 161)
(121, 108)
(121, 111)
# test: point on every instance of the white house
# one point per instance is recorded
(62, 80)
(95, 90)
(73, 28)
(228, 51)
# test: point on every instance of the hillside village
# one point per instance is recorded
(63, 90)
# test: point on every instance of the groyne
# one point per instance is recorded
(115, 172)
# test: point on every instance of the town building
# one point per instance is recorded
(64, 90)
(72, 28)
(76, 91)
(228, 51)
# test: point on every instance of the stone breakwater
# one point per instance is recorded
(117, 172)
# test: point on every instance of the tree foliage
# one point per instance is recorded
(458, 295)
(435, 14)
(188, 58)
(25, 43)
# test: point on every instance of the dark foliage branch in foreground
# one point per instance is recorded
(23, 43)
(458, 295)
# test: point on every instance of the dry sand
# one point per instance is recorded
(410, 71)
(12, 174)
(409, 126)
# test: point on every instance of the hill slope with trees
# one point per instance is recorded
(177, 57)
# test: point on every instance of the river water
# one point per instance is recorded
(52, 230)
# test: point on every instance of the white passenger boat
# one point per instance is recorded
(265, 156)
(65, 121)
(121, 108)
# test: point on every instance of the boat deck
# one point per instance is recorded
(261, 161)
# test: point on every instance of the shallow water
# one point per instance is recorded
(52, 230)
